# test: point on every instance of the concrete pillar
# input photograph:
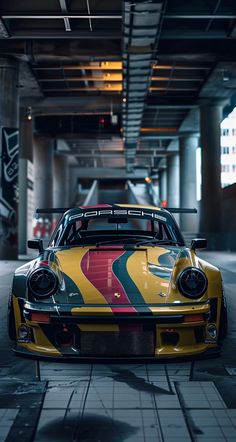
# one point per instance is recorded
(43, 172)
(163, 185)
(60, 181)
(173, 180)
(25, 182)
(9, 153)
(73, 185)
(211, 203)
(188, 144)
(43, 183)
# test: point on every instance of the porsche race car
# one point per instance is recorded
(117, 282)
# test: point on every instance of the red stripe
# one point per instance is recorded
(97, 267)
(120, 310)
(111, 247)
(44, 263)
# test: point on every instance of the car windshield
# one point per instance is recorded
(88, 228)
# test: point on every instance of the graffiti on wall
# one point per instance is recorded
(9, 186)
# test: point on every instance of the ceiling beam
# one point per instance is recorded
(189, 34)
(104, 87)
(180, 67)
(104, 154)
(172, 78)
(174, 106)
(115, 78)
(103, 65)
(54, 34)
(141, 32)
(200, 16)
(61, 16)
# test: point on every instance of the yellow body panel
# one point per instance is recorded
(80, 311)
(70, 261)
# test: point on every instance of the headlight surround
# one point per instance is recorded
(192, 282)
(43, 282)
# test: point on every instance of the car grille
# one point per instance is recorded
(132, 343)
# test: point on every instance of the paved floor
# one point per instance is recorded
(179, 401)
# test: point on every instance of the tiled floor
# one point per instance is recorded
(7, 417)
(143, 403)
(217, 425)
(128, 403)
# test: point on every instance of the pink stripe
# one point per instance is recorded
(129, 310)
(111, 247)
(97, 267)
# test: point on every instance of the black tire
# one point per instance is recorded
(223, 329)
(11, 325)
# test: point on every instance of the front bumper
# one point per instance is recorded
(25, 353)
(101, 333)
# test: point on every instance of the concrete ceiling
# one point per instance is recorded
(148, 62)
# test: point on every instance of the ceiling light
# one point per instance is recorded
(114, 119)
(225, 75)
(29, 113)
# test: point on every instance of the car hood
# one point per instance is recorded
(122, 276)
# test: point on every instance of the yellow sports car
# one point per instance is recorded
(117, 282)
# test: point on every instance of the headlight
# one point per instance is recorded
(192, 282)
(43, 282)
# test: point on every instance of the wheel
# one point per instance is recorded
(11, 321)
(223, 320)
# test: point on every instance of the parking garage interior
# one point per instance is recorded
(107, 102)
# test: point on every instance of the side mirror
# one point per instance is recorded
(36, 244)
(198, 243)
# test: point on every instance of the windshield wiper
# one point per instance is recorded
(154, 241)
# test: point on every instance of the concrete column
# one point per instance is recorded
(43, 172)
(60, 181)
(173, 182)
(9, 153)
(211, 203)
(188, 144)
(43, 183)
(25, 187)
(163, 185)
(73, 185)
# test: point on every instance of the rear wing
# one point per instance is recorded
(64, 209)
(180, 210)
(55, 210)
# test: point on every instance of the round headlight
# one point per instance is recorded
(43, 282)
(192, 282)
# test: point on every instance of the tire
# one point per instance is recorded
(11, 321)
(223, 329)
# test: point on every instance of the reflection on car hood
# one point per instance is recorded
(121, 276)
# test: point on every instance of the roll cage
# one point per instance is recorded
(74, 228)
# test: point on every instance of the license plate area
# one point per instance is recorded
(120, 343)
